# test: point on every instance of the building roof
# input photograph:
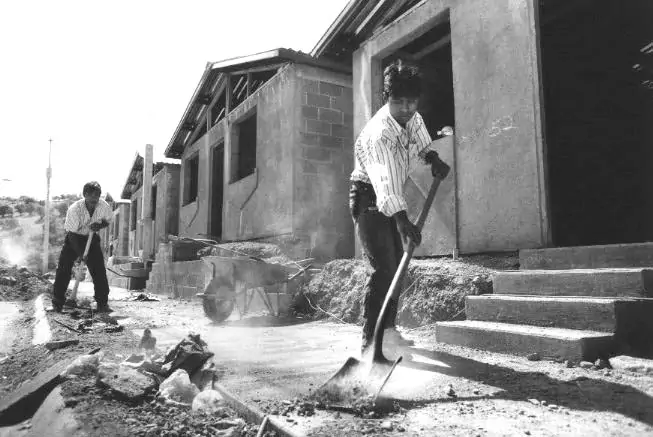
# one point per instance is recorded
(135, 179)
(212, 83)
(357, 22)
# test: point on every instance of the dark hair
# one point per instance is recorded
(92, 187)
(401, 79)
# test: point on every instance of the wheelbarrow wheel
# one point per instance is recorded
(218, 310)
(216, 307)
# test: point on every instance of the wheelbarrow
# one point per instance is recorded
(229, 278)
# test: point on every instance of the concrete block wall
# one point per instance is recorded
(178, 279)
(167, 203)
(324, 161)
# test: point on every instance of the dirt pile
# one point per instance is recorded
(434, 289)
(20, 283)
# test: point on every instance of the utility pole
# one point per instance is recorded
(46, 226)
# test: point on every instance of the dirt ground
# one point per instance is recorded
(495, 394)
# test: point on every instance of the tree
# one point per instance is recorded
(29, 208)
(19, 208)
(26, 199)
(6, 210)
(62, 208)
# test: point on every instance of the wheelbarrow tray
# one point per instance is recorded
(252, 272)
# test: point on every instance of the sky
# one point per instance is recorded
(103, 79)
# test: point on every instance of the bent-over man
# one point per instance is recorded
(389, 147)
(88, 214)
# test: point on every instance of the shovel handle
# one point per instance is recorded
(402, 269)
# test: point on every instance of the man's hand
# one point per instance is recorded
(407, 229)
(439, 168)
(97, 226)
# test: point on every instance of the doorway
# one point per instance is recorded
(431, 52)
(597, 89)
(217, 184)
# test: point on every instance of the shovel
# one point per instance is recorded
(361, 381)
(72, 300)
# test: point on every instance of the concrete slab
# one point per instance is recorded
(632, 364)
(598, 314)
(53, 418)
(636, 282)
(588, 257)
(24, 401)
(574, 345)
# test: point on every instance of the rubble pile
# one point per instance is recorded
(152, 394)
(19, 283)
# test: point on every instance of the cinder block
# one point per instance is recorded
(318, 100)
(588, 257)
(309, 112)
(331, 89)
(317, 154)
(310, 139)
(330, 115)
(329, 141)
(318, 127)
(593, 282)
(549, 343)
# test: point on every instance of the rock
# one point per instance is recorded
(53, 345)
(476, 391)
(586, 364)
(569, 364)
(83, 365)
(386, 426)
(533, 357)
(8, 280)
(401, 429)
(128, 383)
(601, 363)
(178, 387)
(632, 364)
(451, 392)
(534, 402)
(208, 401)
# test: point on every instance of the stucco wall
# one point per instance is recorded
(167, 203)
(498, 148)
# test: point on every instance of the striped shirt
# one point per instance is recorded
(385, 154)
(78, 220)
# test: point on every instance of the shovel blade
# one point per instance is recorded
(356, 382)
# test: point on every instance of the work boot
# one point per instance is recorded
(57, 307)
(103, 308)
(393, 337)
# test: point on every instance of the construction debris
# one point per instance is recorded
(53, 345)
(84, 365)
(127, 383)
(145, 297)
(208, 401)
(177, 387)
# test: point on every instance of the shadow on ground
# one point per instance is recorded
(582, 393)
(262, 321)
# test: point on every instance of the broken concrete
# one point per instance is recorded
(23, 402)
(53, 418)
(54, 345)
(632, 364)
(127, 383)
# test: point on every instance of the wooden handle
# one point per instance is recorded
(402, 269)
(88, 244)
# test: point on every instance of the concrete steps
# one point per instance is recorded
(575, 303)
(562, 312)
(549, 343)
(588, 257)
(620, 282)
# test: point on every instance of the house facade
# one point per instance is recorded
(549, 102)
(266, 151)
(145, 232)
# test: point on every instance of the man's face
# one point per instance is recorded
(92, 199)
(402, 108)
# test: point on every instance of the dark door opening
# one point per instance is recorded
(217, 178)
(597, 78)
(432, 53)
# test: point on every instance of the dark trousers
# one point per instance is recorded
(95, 264)
(382, 248)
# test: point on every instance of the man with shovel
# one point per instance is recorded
(86, 216)
(389, 147)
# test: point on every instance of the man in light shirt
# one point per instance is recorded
(88, 214)
(389, 147)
